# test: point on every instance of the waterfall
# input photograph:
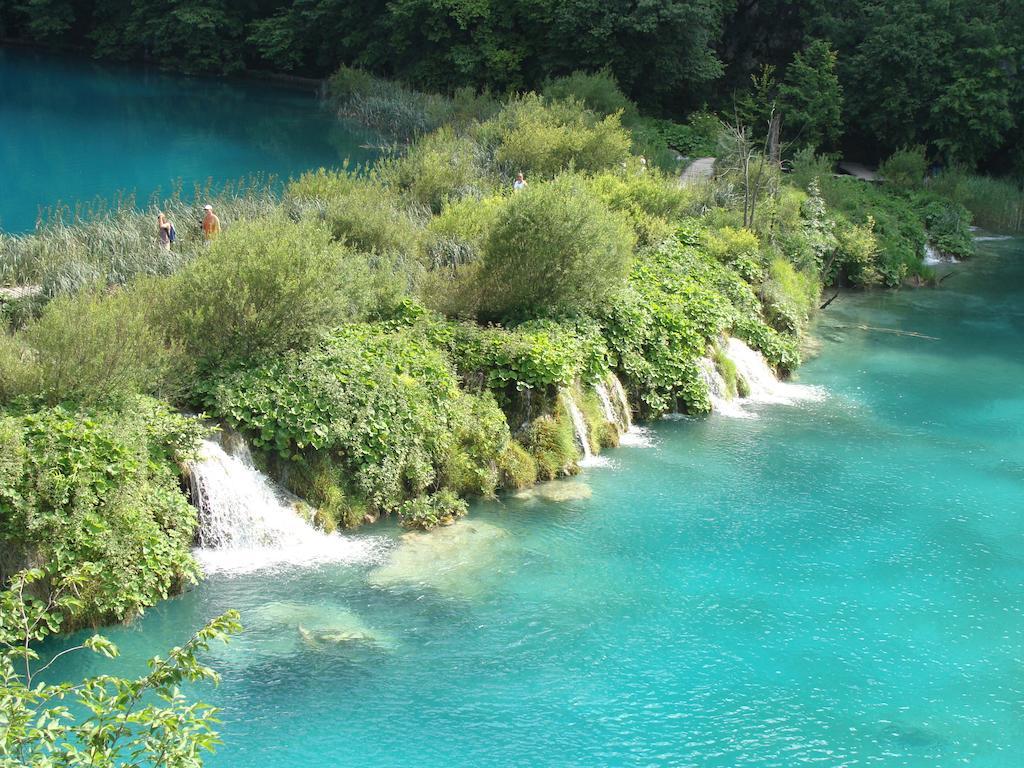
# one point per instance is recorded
(620, 395)
(718, 391)
(579, 424)
(932, 256)
(246, 523)
(764, 385)
(606, 404)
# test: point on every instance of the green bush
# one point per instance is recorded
(651, 201)
(598, 91)
(516, 467)
(426, 512)
(905, 169)
(96, 491)
(91, 347)
(358, 211)
(789, 296)
(264, 287)
(540, 355)
(738, 249)
(383, 405)
(542, 138)
(553, 248)
(439, 167)
(551, 443)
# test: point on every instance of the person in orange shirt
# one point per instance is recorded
(211, 224)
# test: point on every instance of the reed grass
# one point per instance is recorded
(997, 204)
(111, 242)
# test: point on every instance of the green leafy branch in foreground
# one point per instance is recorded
(104, 720)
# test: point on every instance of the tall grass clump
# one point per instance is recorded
(113, 243)
(400, 113)
(997, 204)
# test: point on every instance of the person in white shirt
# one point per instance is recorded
(519, 183)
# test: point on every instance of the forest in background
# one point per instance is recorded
(863, 77)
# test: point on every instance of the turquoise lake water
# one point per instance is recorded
(837, 583)
(74, 130)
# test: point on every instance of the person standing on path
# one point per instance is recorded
(211, 224)
(164, 231)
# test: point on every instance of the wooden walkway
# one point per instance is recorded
(699, 170)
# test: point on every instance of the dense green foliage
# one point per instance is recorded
(96, 492)
(944, 75)
(391, 341)
(104, 719)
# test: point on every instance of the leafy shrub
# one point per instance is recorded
(91, 347)
(947, 223)
(789, 296)
(439, 167)
(96, 492)
(263, 287)
(540, 355)
(425, 512)
(384, 406)
(651, 202)
(542, 138)
(551, 442)
(363, 214)
(905, 168)
(552, 248)
(516, 467)
(736, 248)
(598, 91)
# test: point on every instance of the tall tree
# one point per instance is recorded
(811, 97)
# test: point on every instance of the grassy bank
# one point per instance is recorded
(397, 341)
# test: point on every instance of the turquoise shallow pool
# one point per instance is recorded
(73, 130)
(838, 583)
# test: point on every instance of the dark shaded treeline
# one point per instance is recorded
(942, 73)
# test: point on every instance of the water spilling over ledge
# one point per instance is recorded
(247, 524)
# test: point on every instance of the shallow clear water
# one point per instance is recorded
(74, 130)
(838, 582)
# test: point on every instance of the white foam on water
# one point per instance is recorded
(764, 386)
(637, 437)
(247, 524)
(933, 256)
(987, 238)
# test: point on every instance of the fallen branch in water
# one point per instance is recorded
(834, 297)
(945, 277)
(894, 331)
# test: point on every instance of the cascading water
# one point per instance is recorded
(606, 404)
(246, 524)
(722, 402)
(932, 256)
(579, 424)
(620, 395)
(764, 386)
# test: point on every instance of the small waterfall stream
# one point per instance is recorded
(579, 424)
(246, 523)
(764, 386)
(620, 396)
(722, 402)
(606, 404)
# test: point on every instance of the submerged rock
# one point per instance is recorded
(451, 559)
(557, 491)
(321, 625)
